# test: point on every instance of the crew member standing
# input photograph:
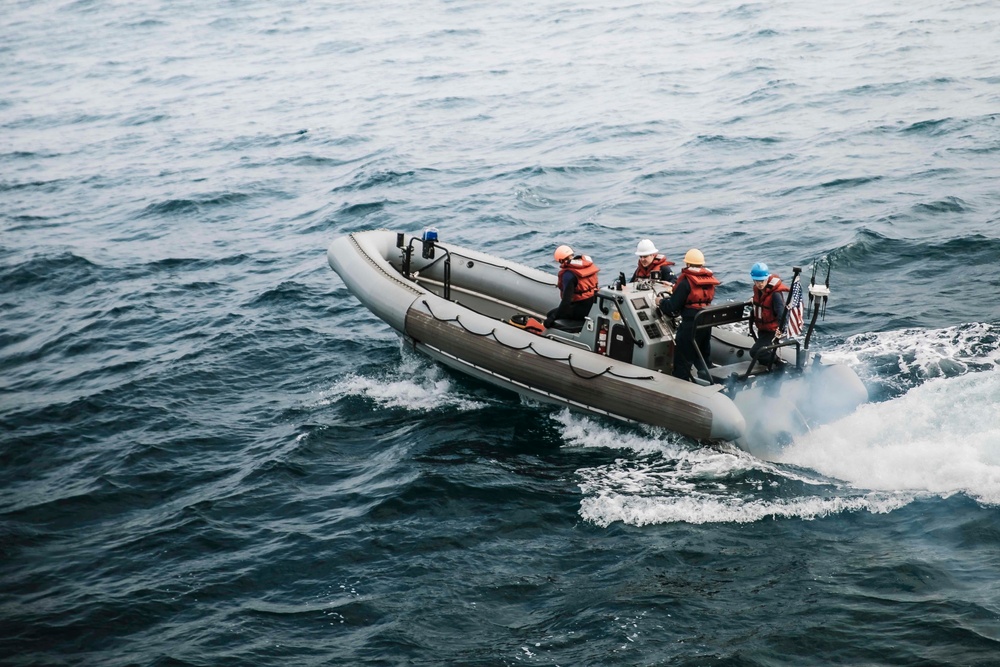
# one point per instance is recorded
(577, 286)
(694, 290)
(768, 310)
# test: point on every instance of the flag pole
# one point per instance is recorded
(796, 270)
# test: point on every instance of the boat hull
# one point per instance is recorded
(548, 371)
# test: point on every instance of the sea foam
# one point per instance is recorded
(940, 438)
(417, 384)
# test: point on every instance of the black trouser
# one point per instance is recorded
(685, 353)
(764, 338)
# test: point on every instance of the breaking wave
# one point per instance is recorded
(893, 362)
(416, 385)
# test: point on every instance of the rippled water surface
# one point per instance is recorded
(212, 454)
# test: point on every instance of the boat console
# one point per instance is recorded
(626, 325)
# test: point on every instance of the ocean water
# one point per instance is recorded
(212, 454)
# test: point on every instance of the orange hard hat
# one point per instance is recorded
(694, 257)
(563, 253)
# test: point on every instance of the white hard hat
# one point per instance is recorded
(645, 247)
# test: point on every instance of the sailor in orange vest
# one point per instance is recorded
(577, 286)
(694, 290)
(768, 309)
(651, 260)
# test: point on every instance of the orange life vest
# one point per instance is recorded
(702, 283)
(763, 312)
(586, 276)
(658, 263)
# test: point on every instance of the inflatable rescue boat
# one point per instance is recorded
(474, 313)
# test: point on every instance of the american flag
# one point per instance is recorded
(793, 318)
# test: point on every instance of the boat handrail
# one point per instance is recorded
(448, 253)
(726, 313)
(428, 253)
(566, 340)
(517, 308)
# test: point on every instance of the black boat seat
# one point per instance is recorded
(569, 326)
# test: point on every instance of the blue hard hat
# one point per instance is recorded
(759, 271)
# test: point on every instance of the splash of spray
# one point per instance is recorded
(941, 438)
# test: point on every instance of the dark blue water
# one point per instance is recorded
(211, 454)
